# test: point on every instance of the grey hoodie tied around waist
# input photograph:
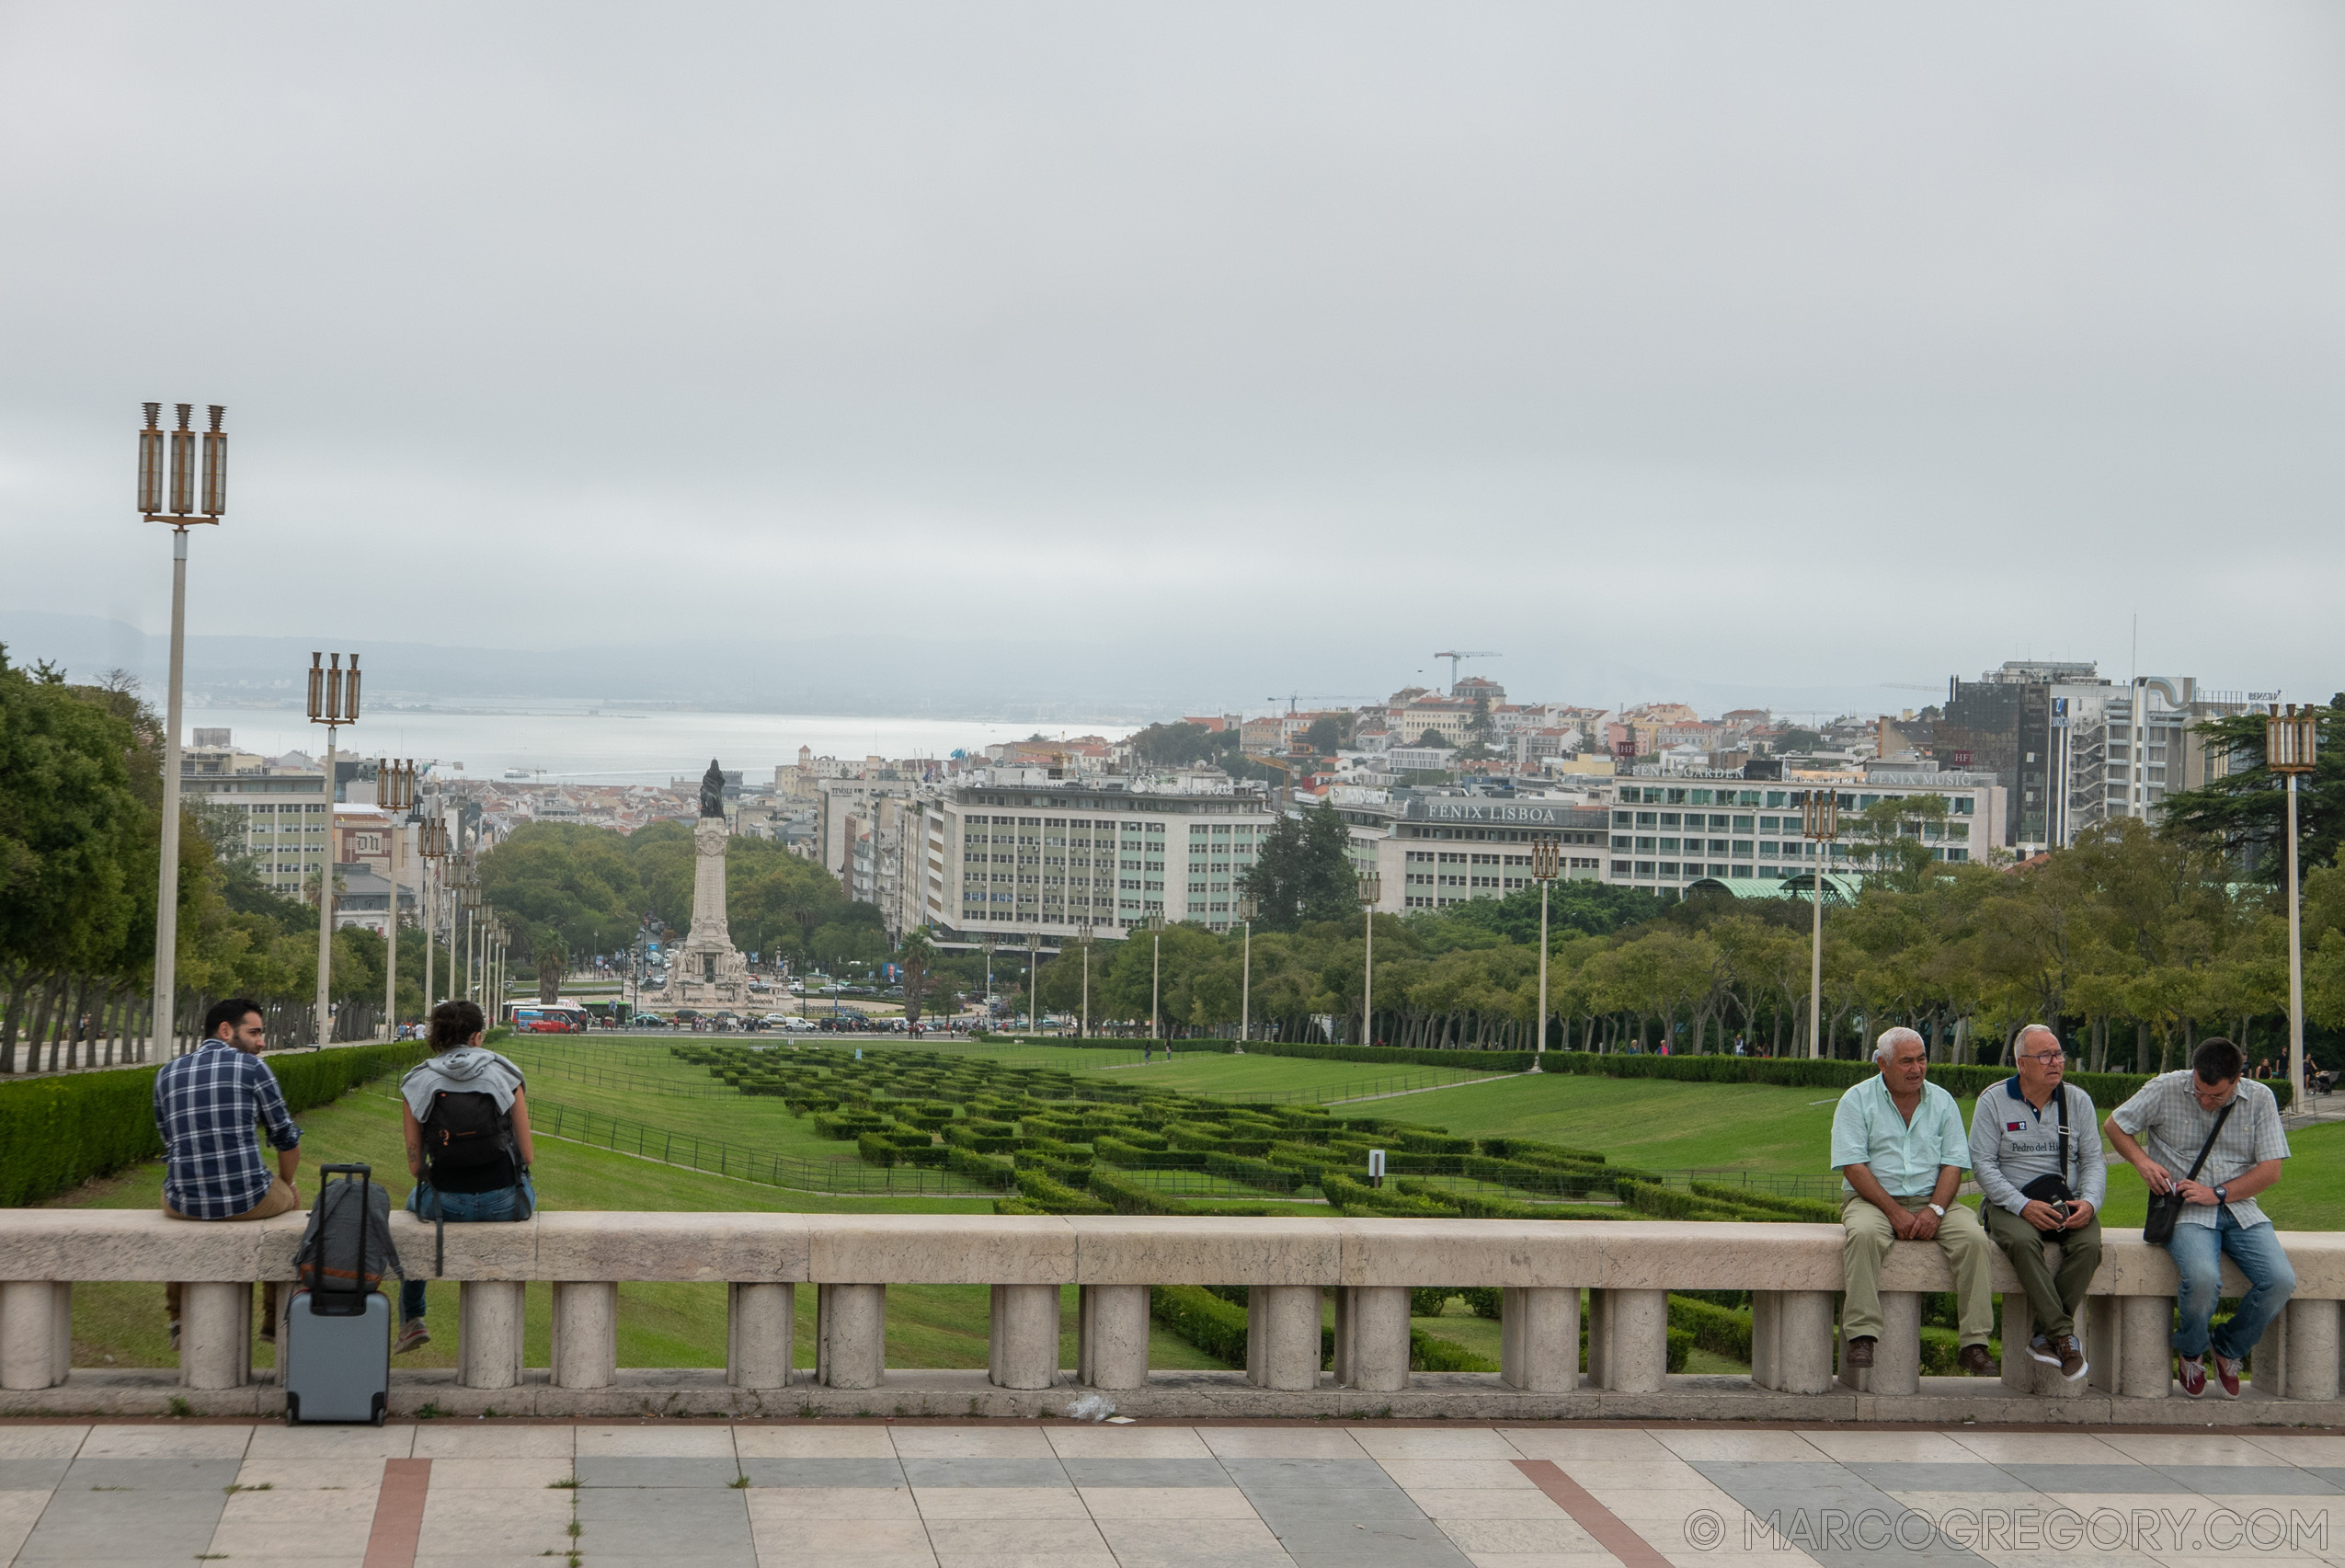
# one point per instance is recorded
(473, 1069)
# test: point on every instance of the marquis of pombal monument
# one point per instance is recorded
(708, 970)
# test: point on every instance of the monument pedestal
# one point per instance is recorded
(707, 970)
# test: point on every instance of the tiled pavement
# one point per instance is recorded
(473, 1495)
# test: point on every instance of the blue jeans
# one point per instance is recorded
(2197, 1251)
(461, 1209)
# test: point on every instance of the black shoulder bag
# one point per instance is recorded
(2166, 1208)
(2052, 1187)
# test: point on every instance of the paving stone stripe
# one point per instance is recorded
(1608, 1528)
(397, 1529)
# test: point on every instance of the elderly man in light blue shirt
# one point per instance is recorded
(1900, 1147)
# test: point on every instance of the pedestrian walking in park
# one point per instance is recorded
(466, 1122)
(2042, 1177)
(206, 1103)
(1897, 1142)
(2205, 1143)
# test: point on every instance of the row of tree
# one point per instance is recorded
(2133, 941)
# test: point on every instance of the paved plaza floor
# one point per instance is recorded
(686, 1494)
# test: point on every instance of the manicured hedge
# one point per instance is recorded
(56, 1133)
(1205, 1319)
(1405, 1056)
(2109, 1090)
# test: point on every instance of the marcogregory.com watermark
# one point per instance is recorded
(2270, 1532)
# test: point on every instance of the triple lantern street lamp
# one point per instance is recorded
(395, 795)
(333, 702)
(2291, 747)
(167, 464)
(1819, 824)
(1547, 862)
(1247, 907)
(432, 844)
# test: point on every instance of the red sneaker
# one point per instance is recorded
(2227, 1372)
(2192, 1372)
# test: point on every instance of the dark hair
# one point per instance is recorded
(231, 1013)
(2217, 1061)
(455, 1023)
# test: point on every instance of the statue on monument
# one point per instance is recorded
(707, 968)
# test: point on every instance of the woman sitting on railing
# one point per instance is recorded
(467, 1125)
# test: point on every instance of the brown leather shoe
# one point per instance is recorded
(1975, 1362)
(1860, 1351)
(2072, 1364)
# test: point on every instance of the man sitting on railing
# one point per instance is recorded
(2042, 1177)
(1897, 1141)
(205, 1105)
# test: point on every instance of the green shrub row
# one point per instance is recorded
(1205, 1319)
(56, 1133)
(2109, 1090)
(1721, 1330)
(1821, 1210)
(1405, 1056)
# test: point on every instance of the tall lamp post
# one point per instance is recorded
(1547, 860)
(1247, 907)
(1819, 824)
(333, 702)
(1084, 937)
(1034, 991)
(433, 845)
(182, 514)
(2290, 740)
(1371, 889)
(395, 794)
(1155, 972)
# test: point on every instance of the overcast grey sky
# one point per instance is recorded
(1782, 345)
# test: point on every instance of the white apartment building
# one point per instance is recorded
(284, 815)
(1059, 859)
(1668, 830)
(1430, 850)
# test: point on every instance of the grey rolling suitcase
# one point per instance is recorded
(336, 1343)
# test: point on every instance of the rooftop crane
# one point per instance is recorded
(1456, 655)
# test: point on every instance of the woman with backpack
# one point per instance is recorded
(467, 1127)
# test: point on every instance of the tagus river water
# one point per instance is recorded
(585, 745)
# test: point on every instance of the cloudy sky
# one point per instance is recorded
(1752, 348)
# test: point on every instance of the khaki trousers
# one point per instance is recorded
(280, 1198)
(2052, 1298)
(1864, 1244)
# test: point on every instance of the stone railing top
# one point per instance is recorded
(961, 1249)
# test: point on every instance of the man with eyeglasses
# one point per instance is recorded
(2041, 1178)
(2174, 1117)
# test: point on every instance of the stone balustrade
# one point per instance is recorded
(1623, 1270)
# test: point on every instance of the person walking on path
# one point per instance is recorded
(206, 1105)
(1897, 1142)
(2162, 1130)
(466, 1121)
(2041, 1178)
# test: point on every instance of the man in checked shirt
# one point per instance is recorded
(207, 1103)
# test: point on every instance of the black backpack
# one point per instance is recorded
(468, 1143)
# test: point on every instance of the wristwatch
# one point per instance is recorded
(1937, 1209)
(2222, 1194)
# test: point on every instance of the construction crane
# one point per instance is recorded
(1453, 657)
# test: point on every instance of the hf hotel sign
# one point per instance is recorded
(1501, 813)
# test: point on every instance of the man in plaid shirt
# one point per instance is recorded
(207, 1103)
